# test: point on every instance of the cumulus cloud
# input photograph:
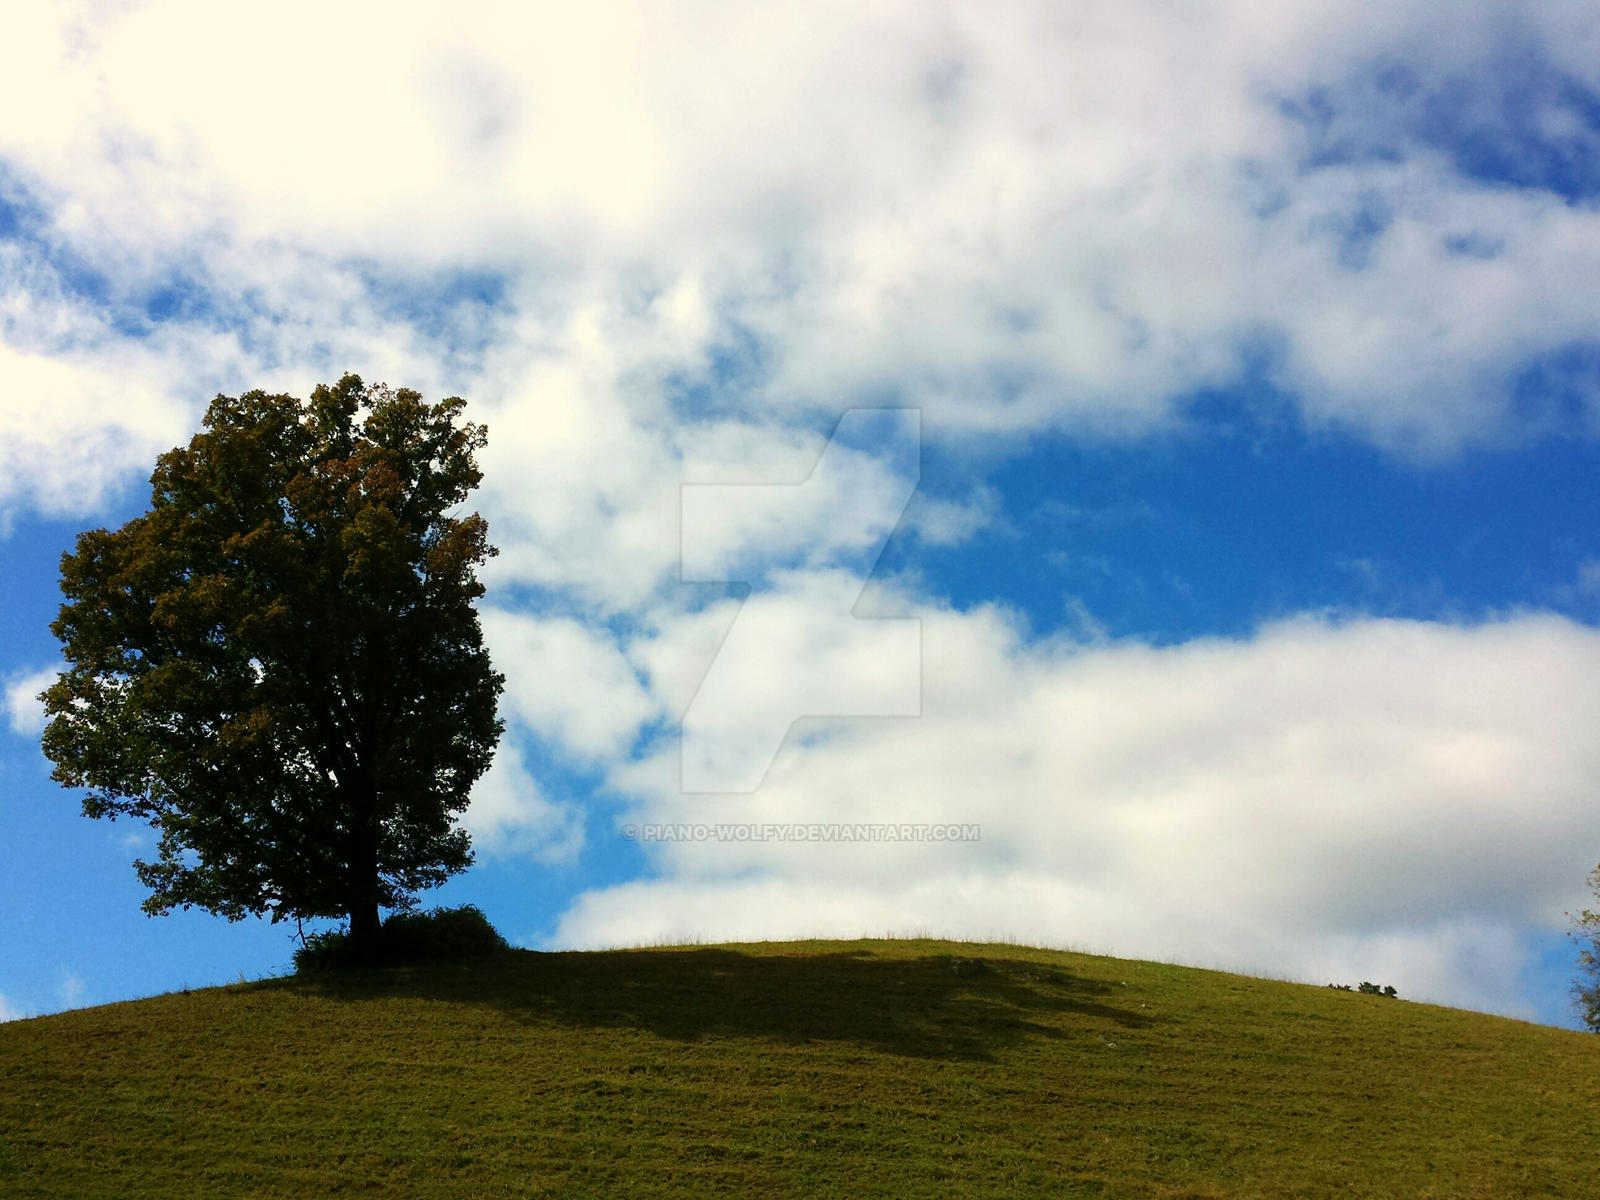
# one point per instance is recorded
(569, 683)
(1014, 219)
(510, 814)
(1323, 799)
(73, 428)
(24, 710)
(940, 521)
(797, 652)
(850, 501)
(592, 492)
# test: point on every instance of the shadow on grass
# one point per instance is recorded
(933, 1006)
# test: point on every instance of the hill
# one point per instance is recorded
(908, 1068)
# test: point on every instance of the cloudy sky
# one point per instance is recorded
(1161, 439)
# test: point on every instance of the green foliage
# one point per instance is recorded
(439, 935)
(1586, 988)
(821, 1069)
(279, 664)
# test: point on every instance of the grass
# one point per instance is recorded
(905, 1068)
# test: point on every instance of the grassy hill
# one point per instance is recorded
(912, 1068)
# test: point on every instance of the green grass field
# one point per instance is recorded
(906, 1068)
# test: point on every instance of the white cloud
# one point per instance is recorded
(510, 815)
(945, 522)
(794, 653)
(1016, 219)
(579, 493)
(568, 682)
(1377, 797)
(8, 1012)
(73, 428)
(24, 710)
(88, 405)
(850, 501)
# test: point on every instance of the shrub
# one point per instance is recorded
(462, 932)
(406, 937)
(1368, 989)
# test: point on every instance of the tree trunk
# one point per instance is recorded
(364, 921)
(364, 924)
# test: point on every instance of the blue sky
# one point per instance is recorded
(1243, 372)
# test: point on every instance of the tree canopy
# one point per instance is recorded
(279, 664)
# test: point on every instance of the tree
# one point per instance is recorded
(279, 664)
(1586, 928)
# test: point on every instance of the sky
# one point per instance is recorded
(1133, 464)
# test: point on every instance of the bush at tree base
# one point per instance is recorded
(406, 937)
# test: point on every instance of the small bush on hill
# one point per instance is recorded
(1368, 989)
(406, 937)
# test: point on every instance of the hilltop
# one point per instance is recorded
(908, 1068)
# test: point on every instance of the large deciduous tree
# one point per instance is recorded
(279, 664)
